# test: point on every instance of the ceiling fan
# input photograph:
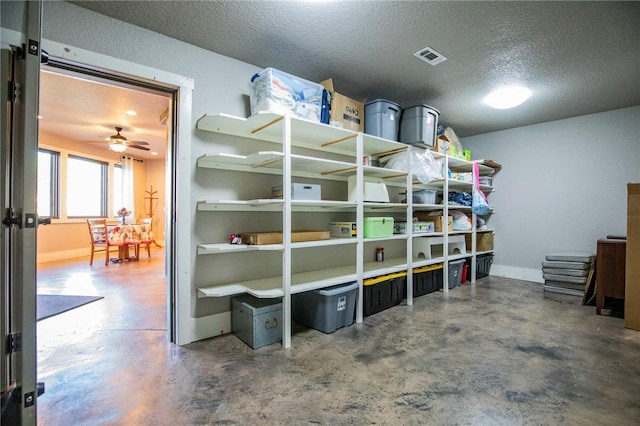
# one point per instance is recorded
(119, 143)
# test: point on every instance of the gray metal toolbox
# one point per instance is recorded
(257, 322)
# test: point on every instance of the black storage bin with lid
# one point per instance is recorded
(383, 292)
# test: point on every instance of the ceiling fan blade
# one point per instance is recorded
(140, 142)
(144, 148)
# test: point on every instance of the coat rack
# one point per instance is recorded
(151, 198)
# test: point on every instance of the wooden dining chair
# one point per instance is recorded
(147, 221)
(99, 233)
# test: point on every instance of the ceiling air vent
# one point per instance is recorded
(430, 56)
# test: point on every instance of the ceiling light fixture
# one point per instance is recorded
(507, 97)
(118, 142)
(131, 112)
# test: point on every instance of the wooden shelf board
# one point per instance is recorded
(268, 127)
(428, 234)
(459, 256)
(371, 206)
(271, 287)
(379, 147)
(388, 175)
(393, 237)
(420, 262)
(269, 204)
(323, 243)
(216, 248)
(484, 252)
(427, 207)
(389, 266)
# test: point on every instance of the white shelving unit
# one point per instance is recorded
(336, 154)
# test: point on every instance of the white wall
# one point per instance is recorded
(562, 186)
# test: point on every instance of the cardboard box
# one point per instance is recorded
(632, 266)
(345, 112)
(439, 144)
(343, 229)
(437, 219)
(484, 241)
(262, 238)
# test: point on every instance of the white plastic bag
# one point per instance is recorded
(423, 166)
(461, 222)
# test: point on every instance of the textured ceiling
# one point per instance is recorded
(87, 111)
(576, 57)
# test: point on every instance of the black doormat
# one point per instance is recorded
(54, 304)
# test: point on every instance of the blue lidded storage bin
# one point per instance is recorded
(327, 309)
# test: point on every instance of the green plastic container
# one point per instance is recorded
(378, 227)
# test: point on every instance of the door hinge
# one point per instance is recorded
(14, 91)
(14, 342)
(10, 219)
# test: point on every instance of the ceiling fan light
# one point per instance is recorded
(117, 147)
(507, 97)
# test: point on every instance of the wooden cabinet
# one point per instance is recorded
(610, 271)
(632, 279)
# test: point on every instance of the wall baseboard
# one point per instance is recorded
(210, 326)
(67, 254)
(534, 275)
(72, 254)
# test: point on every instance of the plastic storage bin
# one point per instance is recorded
(257, 322)
(299, 191)
(382, 118)
(276, 91)
(427, 279)
(483, 265)
(455, 272)
(383, 292)
(327, 309)
(378, 227)
(418, 125)
(423, 196)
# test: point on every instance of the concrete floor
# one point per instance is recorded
(500, 352)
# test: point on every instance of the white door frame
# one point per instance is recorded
(179, 263)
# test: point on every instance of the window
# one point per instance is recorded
(48, 183)
(87, 187)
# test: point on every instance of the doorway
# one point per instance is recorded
(78, 113)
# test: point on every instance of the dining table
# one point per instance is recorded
(129, 235)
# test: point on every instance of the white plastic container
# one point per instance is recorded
(423, 196)
(276, 91)
(299, 191)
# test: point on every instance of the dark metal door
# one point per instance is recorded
(18, 155)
